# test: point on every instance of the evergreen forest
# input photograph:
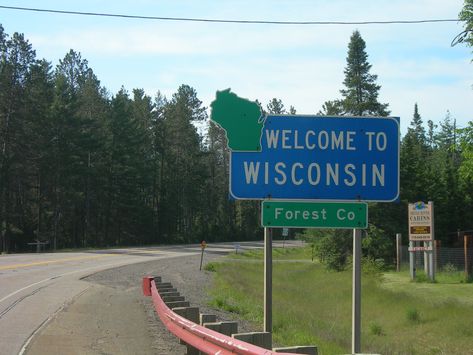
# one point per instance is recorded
(83, 167)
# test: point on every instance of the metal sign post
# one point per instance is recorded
(285, 233)
(412, 260)
(432, 242)
(268, 282)
(356, 298)
(203, 245)
(38, 244)
(398, 251)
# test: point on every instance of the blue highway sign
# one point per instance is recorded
(320, 158)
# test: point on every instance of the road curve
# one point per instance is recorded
(34, 287)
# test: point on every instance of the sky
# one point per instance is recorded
(303, 65)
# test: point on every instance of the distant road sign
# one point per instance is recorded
(420, 221)
(314, 214)
(320, 158)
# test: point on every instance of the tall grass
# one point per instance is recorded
(313, 306)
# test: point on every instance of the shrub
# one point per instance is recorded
(376, 328)
(449, 268)
(331, 247)
(372, 266)
(376, 245)
(413, 315)
(212, 267)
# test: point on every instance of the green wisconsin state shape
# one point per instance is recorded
(241, 119)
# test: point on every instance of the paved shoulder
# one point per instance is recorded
(103, 320)
(113, 317)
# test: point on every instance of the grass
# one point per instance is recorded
(313, 306)
(413, 315)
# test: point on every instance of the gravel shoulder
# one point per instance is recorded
(113, 317)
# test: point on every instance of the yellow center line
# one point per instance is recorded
(46, 262)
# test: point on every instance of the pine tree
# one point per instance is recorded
(218, 209)
(360, 95)
(332, 108)
(414, 158)
(37, 165)
(359, 98)
(466, 170)
(16, 59)
(466, 15)
(183, 166)
(158, 151)
(444, 186)
(77, 119)
(276, 107)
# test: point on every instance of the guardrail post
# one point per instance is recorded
(207, 318)
(306, 349)
(191, 313)
(261, 339)
(168, 299)
(163, 285)
(177, 304)
(166, 293)
(226, 328)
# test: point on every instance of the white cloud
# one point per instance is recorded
(302, 65)
(195, 39)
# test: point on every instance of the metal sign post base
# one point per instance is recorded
(356, 299)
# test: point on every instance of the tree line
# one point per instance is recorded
(436, 164)
(81, 167)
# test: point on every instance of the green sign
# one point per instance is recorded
(314, 214)
(242, 120)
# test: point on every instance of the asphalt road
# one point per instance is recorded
(36, 287)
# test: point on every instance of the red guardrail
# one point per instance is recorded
(204, 339)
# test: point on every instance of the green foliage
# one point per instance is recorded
(376, 329)
(372, 267)
(360, 93)
(332, 247)
(332, 108)
(81, 167)
(466, 15)
(212, 267)
(376, 245)
(276, 106)
(313, 306)
(466, 166)
(413, 315)
(449, 268)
